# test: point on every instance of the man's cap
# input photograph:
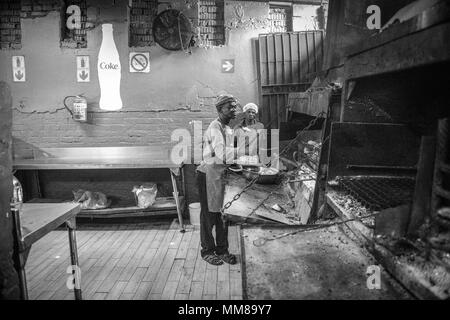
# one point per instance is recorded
(225, 98)
(250, 106)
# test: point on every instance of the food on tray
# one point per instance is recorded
(235, 167)
(268, 171)
(248, 160)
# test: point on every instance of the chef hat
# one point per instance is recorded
(223, 99)
(249, 106)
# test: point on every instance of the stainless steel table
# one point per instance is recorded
(32, 222)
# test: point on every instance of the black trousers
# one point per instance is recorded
(208, 220)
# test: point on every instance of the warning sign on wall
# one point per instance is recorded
(83, 70)
(18, 68)
(140, 62)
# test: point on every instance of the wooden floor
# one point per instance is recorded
(150, 261)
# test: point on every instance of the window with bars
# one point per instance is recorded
(280, 18)
(211, 22)
(142, 14)
(74, 38)
(10, 29)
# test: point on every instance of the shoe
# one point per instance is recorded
(212, 259)
(228, 258)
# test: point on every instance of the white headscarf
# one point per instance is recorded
(249, 106)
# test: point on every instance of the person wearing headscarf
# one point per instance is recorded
(246, 132)
(218, 153)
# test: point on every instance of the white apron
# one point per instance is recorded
(215, 180)
(215, 186)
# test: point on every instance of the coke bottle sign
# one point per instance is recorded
(109, 66)
(109, 71)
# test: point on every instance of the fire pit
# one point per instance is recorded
(377, 192)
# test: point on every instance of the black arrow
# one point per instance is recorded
(84, 75)
(19, 75)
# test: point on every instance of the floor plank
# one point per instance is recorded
(148, 261)
(184, 285)
(196, 290)
(135, 280)
(199, 269)
(143, 290)
(164, 271)
(116, 290)
(181, 296)
(169, 290)
(210, 287)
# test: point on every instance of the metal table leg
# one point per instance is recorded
(71, 226)
(19, 261)
(20, 256)
(177, 201)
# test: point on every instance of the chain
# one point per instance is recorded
(312, 123)
(236, 197)
(261, 241)
(262, 203)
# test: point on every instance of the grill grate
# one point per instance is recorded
(378, 193)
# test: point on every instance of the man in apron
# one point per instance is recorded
(218, 152)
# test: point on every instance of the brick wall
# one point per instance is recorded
(178, 89)
(142, 13)
(211, 22)
(12, 11)
(10, 31)
(103, 128)
(37, 8)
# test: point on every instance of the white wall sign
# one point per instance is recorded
(109, 71)
(83, 70)
(140, 62)
(18, 68)
(227, 65)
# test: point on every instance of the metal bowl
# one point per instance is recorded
(252, 172)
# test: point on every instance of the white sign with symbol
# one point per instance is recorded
(140, 62)
(83, 70)
(18, 67)
(227, 65)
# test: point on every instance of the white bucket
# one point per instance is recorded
(194, 213)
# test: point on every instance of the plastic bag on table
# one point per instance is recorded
(145, 194)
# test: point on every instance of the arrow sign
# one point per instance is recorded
(227, 66)
(19, 75)
(83, 75)
(18, 68)
(83, 69)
